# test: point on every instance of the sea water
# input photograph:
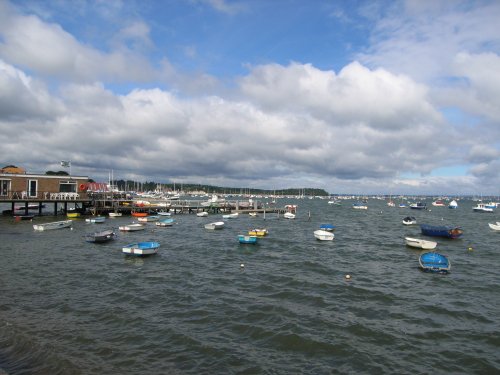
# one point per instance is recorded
(206, 304)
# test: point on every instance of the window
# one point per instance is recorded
(67, 187)
(32, 188)
(4, 187)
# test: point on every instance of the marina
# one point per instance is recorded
(291, 307)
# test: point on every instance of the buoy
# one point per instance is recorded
(470, 248)
(348, 277)
(242, 266)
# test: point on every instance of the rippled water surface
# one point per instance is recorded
(71, 307)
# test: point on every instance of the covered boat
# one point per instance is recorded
(434, 262)
(323, 235)
(251, 240)
(327, 227)
(101, 237)
(141, 248)
(215, 225)
(132, 227)
(409, 220)
(420, 244)
(53, 225)
(441, 231)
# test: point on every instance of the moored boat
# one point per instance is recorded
(100, 237)
(438, 203)
(421, 244)
(141, 248)
(202, 214)
(453, 204)
(132, 227)
(441, 231)
(323, 235)
(494, 226)
(148, 219)
(247, 240)
(139, 214)
(327, 227)
(53, 225)
(168, 222)
(289, 215)
(359, 206)
(409, 220)
(481, 207)
(73, 215)
(418, 206)
(434, 262)
(96, 219)
(215, 225)
(230, 216)
(115, 214)
(258, 232)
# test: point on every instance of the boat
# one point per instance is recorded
(24, 217)
(441, 231)
(418, 206)
(53, 225)
(434, 262)
(409, 220)
(438, 203)
(453, 204)
(494, 226)
(289, 215)
(421, 244)
(168, 222)
(323, 235)
(115, 214)
(163, 213)
(202, 214)
(391, 204)
(481, 207)
(100, 237)
(141, 248)
(139, 214)
(96, 219)
(73, 215)
(148, 219)
(230, 216)
(250, 240)
(327, 227)
(402, 205)
(132, 227)
(215, 225)
(258, 232)
(359, 206)
(252, 214)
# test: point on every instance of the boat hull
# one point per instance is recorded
(101, 237)
(420, 244)
(214, 226)
(441, 231)
(132, 227)
(247, 240)
(53, 225)
(323, 235)
(141, 249)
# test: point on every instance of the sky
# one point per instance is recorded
(351, 96)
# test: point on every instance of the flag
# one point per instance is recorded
(65, 164)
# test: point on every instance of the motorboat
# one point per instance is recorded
(148, 219)
(289, 215)
(418, 206)
(323, 235)
(96, 219)
(258, 232)
(495, 226)
(168, 222)
(247, 240)
(481, 207)
(202, 214)
(421, 244)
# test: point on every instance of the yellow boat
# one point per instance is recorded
(73, 215)
(258, 232)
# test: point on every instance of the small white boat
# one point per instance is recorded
(252, 214)
(215, 225)
(289, 215)
(323, 235)
(453, 204)
(495, 226)
(148, 219)
(230, 216)
(141, 248)
(163, 213)
(132, 227)
(421, 244)
(359, 206)
(115, 214)
(96, 219)
(409, 220)
(53, 225)
(165, 222)
(202, 214)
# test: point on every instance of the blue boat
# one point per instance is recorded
(165, 222)
(434, 262)
(441, 231)
(141, 248)
(327, 227)
(418, 206)
(252, 240)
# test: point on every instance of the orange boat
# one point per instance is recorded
(139, 214)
